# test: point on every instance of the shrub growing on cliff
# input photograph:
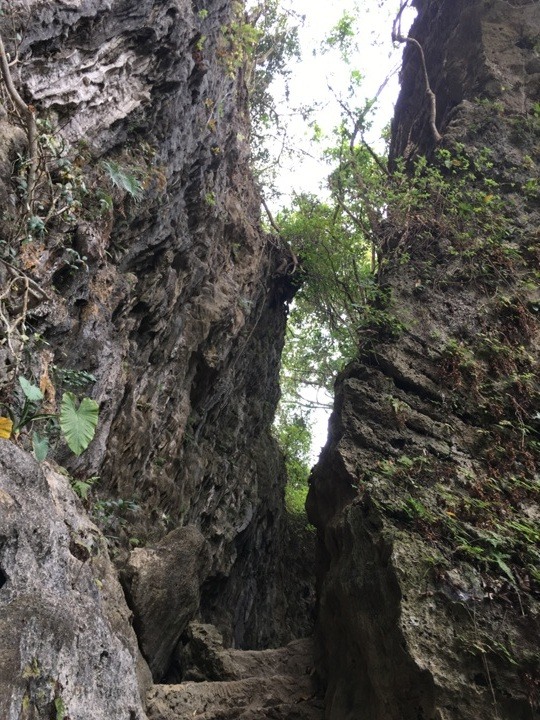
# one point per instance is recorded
(269, 51)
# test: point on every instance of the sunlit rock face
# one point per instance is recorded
(426, 496)
(66, 637)
(168, 292)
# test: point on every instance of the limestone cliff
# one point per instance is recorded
(66, 640)
(142, 263)
(426, 496)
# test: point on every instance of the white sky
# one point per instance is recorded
(314, 75)
(375, 58)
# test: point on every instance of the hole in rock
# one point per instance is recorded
(398, 443)
(61, 278)
(3, 578)
(480, 679)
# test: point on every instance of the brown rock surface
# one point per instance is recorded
(162, 586)
(179, 306)
(242, 684)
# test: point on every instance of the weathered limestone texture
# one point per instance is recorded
(163, 590)
(65, 634)
(242, 684)
(426, 496)
(176, 300)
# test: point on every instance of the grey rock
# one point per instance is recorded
(410, 625)
(163, 584)
(65, 628)
(180, 308)
(202, 656)
(242, 684)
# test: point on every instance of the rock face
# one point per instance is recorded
(276, 684)
(139, 260)
(66, 639)
(426, 496)
(164, 587)
(154, 276)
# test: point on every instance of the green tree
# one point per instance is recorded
(294, 437)
(334, 240)
(275, 45)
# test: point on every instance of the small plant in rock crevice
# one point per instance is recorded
(76, 421)
(115, 516)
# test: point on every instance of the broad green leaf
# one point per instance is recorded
(32, 392)
(6, 428)
(78, 424)
(123, 179)
(40, 446)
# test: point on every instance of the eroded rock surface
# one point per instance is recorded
(429, 596)
(244, 684)
(163, 585)
(65, 632)
(176, 300)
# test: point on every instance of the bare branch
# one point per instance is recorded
(270, 216)
(28, 115)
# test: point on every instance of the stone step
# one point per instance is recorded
(294, 659)
(225, 684)
(276, 697)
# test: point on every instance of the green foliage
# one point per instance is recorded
(60, 708)
(270, 57)
(293, 432)
(123, 178)
(342, 36)
(40, 446)
(475, 520)
(210, 199)
(294, 437)
(83, 487)
(335, 278)
(333, 240)
(113, 515)
(455, 195)
(78, 423)
(31, 392)
(73, 379)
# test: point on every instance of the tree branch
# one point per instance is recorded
(270, 216)
(28, 115)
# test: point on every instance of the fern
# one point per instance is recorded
(123, 179)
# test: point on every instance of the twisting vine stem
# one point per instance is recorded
(397, 36)
(28, 115)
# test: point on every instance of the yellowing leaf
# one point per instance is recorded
(6, 428)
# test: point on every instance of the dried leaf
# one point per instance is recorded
(6, 428)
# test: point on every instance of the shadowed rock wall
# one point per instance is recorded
(428, 599)
(176, 300)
